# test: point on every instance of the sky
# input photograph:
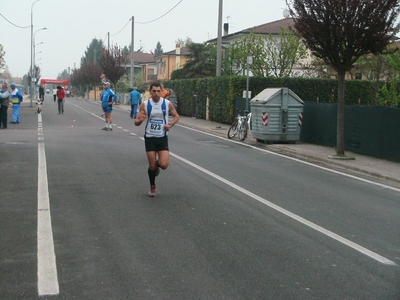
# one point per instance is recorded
(73, 24)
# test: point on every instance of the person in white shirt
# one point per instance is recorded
(156, 110)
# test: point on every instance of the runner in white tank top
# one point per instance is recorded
(156, 110)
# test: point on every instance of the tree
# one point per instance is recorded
(201, 62)
(339, 32)
(375, 68)
(284, 52)
(158, 50)
(184, 43)
(112, 64)
(2, 54)
(272, 55)
(253, 45)
(393, 59)
(93, 52)
(63, 75)
(89, 74)
(231, 62)
(126, 51)
(37, 74)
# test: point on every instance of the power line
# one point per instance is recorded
(160, 16)
(149, 21)
(122, 28)
(13, 23)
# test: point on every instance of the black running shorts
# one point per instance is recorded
(156, 143)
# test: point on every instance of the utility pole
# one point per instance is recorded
(108, 42)
(219, 40)
(132, 54)
(94, 64)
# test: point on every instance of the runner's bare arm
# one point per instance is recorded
(174, 113)
(141, 116)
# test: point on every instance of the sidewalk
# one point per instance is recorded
(375, 169)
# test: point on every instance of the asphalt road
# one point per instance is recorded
(229, 221)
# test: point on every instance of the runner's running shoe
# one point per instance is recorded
(152, 192)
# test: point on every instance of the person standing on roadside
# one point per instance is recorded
(41, 93)
(108, 98)
(54, 94)
(135, 99)
(165, 93)
(60, 101)
(156, 110)
(16, 99)
(4, 102)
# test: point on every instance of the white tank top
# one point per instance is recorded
(157, 117)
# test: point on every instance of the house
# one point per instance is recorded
(5, 77)
(171, 61)
(145, 63)
(273, 28)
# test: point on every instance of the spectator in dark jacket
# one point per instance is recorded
(4, 102)
(41, 93)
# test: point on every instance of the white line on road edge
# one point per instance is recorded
(295, 159)
(312, 225)
(47, 268)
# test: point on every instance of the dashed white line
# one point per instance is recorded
(47, 267)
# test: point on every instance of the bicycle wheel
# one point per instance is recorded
(233, 129)
(243, 131)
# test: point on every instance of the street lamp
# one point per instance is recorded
(32, 45)
(34, 49)
(34, 54)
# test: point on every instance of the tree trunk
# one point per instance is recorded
(340, 114)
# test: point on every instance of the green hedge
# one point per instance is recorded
(222, 92)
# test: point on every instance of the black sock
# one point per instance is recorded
(152, 176)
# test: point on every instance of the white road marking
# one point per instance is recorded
(312, 225)
(47, 267)
(296, 159)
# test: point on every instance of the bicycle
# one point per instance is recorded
(241, 125)
(245, 125)
(235, 125)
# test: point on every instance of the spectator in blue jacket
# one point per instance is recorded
(16, 99)
(135, 98)
(108, 98)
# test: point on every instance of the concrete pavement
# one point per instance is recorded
(378, 170)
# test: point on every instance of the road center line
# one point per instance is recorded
(312, 225)
(47, 268)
